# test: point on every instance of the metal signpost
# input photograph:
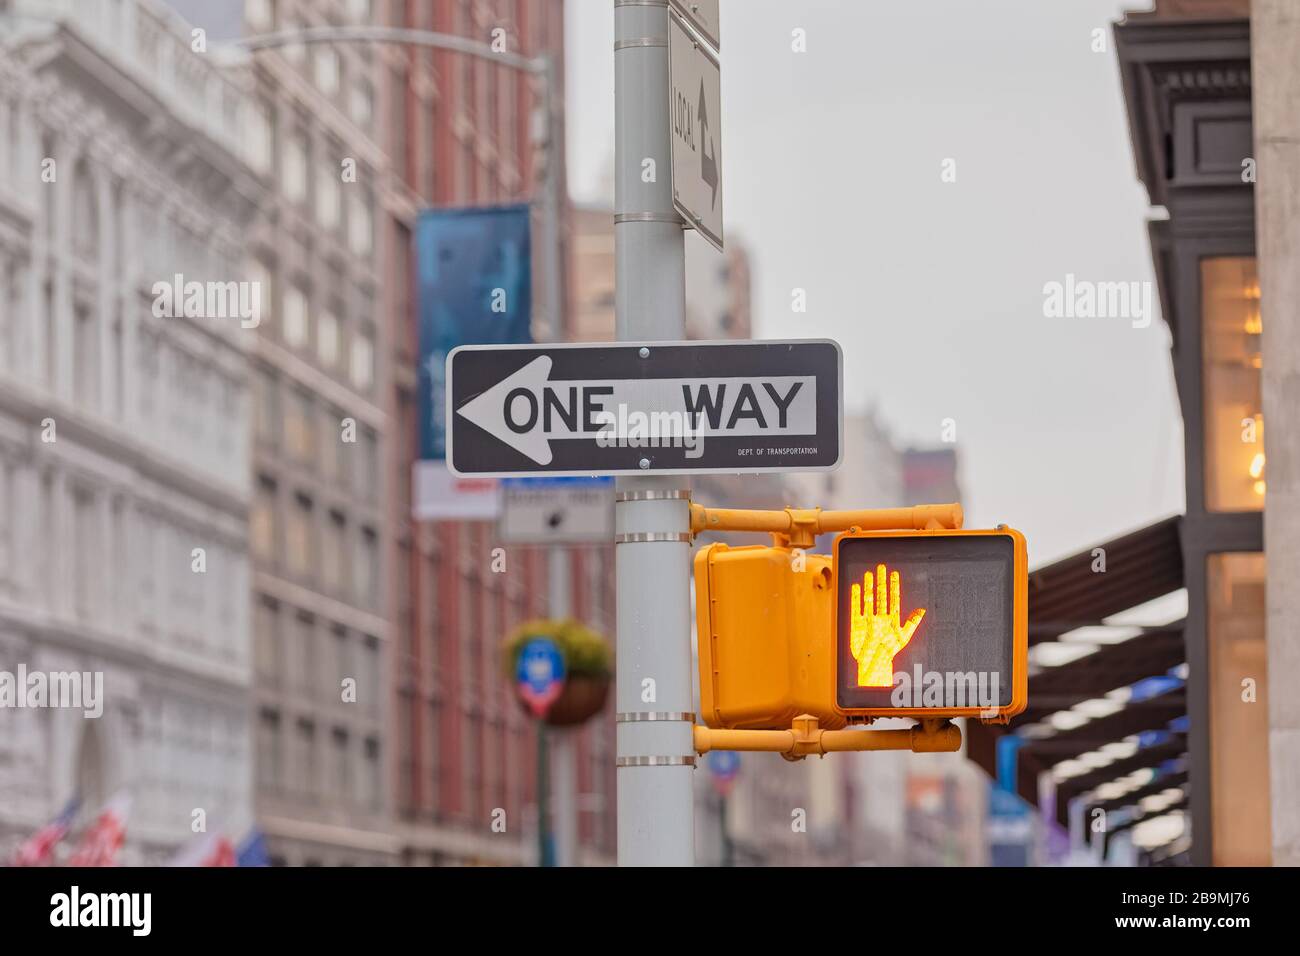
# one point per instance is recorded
(672, 408)
(653, 694)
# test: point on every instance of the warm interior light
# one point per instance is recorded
(1254, 324)
(1257, 465)
(1259, 488)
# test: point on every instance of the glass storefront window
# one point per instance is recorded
(1234, 423)
(1238, 683)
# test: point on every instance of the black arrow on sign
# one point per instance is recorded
(708, 161)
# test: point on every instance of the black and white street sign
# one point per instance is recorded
(703, 15)
(695, 118)
(557, 511)
(644, 408)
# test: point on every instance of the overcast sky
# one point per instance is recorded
(1067, 428)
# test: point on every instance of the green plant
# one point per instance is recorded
(585, 652)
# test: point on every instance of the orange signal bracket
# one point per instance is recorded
(806, 737)
(799, 527)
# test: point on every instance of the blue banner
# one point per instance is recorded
(474, 287)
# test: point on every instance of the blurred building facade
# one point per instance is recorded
(1156, 733)
(318, 527)
(462, 131)
(124, 448)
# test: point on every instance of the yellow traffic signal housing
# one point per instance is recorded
(923, 623)
(932, 623)
(766, 631)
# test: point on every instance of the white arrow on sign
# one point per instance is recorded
(526, 410)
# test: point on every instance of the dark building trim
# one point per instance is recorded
(1187, 87)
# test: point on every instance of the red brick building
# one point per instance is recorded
(458, 131)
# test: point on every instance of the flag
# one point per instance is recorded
(103, 838)
(208, 849)
(252, 852)
(38, 849)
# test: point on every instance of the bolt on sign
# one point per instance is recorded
(931, 624)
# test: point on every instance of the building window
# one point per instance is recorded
(327, 339)
(360, 226)
(304, 655)
(327, 196)
(370, 779)
(1238, 681)
(369, 475)
(342, 766)
(363, 360)
(363, 104)
(295, 316)
(298, 536)
(259, 13)
(333, 552)
(260, 144)
(300, 427)
(270, 755)
(85, 554)
(331, 434)
(327, 70)
(266, 636)
(307, 784)
(1234, 423)
(366, 572)
(263, 288)
(85, 213)
(295, 167)
(85, 358)
(342, 664)
(369, 676)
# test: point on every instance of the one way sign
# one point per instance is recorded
(637, 408)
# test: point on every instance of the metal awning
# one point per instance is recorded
(1073, 593)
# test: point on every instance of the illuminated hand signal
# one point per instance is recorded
(875, 636)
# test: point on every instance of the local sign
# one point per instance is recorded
(694, 115)
(644, 408)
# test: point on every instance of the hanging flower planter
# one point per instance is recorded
(588, 669)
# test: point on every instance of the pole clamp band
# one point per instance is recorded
(670, 217)
(676, 495)
(648, 537)
(638, 716)
(640, 42)
(655, 761)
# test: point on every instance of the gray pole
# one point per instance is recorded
(652, 519)
(563, 765)
(564, 768)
